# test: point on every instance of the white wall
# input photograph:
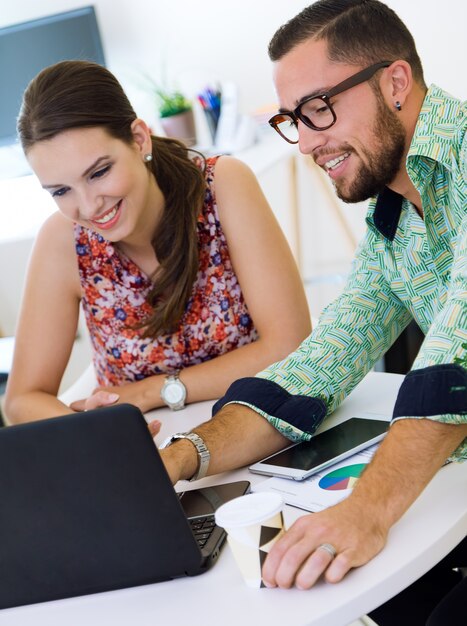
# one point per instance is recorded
(199, 42)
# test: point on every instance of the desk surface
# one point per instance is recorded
(430, 529)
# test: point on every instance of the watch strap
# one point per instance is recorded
(173, 379)
(201, 448)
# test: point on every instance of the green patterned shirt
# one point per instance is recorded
(405, 268)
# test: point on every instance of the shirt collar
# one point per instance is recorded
(387, 212)
(433, 139)
(437, 125)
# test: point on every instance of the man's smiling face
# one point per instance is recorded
(363, 151)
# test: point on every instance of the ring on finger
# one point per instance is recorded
(329, 548)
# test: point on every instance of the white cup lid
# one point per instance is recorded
(247, 510)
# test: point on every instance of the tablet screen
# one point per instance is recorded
(329, 444)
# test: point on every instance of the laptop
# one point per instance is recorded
(87, 506)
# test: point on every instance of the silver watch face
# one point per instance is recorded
(174, 392)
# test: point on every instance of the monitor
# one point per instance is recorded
(27, 48)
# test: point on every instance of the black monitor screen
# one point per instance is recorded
(27, 48)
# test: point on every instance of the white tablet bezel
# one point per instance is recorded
(262, 467)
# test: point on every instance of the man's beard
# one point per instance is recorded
(384, 160)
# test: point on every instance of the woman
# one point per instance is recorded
(179, 264)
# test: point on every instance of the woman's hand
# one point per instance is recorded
(105, 396)
(99, 398)
(141, 393)
(154, 427)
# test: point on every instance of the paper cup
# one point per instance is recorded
(253, 523)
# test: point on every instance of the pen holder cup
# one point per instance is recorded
(180, 126)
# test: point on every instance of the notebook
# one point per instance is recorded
(87, 506)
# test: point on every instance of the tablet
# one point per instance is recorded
(300, 460)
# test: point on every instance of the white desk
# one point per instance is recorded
(430, 529)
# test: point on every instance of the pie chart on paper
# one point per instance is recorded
(342, 478)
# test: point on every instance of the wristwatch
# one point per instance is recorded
(173, 392)
(201, 449)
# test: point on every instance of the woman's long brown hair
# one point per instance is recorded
(80, 94)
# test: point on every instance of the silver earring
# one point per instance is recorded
(398, 105)
(147, 157)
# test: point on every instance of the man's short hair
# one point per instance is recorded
(357, 32)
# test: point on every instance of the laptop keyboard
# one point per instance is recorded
(202, 528)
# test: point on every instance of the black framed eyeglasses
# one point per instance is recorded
(317, 112)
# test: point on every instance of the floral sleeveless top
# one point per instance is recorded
(114, 290)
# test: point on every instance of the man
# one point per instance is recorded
(353, 96)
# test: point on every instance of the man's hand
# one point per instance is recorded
(408, 458)
(297, 558)
(180, 459)
(171, 465)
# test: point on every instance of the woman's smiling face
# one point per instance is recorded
(97, 181)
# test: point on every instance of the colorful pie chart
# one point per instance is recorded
(342, 478)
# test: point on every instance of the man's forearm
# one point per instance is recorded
(406, 461)
(235, 437)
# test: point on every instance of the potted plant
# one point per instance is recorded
(176, 115)
(171, 103)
